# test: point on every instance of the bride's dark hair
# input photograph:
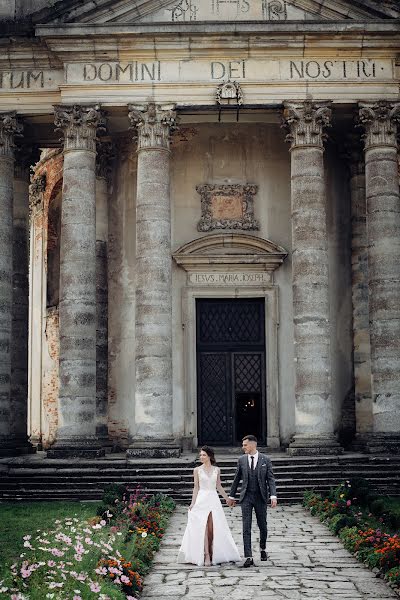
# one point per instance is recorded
(210, 453)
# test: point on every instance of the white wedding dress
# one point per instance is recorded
(223, 548)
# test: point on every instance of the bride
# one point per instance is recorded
(207, 539)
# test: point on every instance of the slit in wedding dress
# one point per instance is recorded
(208, 545)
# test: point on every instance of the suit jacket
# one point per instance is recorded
(266, 477)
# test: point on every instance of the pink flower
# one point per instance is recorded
(348, 502)
(125, 579)
(103, 522)
(51, 563)
(131, 598)
(94, 587)
(77, 598)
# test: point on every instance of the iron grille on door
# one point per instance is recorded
(230, 366)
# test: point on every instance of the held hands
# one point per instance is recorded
(274, 502)
(191, 506)
(231, 502)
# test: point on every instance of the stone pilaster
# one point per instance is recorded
(359, 270)
(9, 129)
(24, 158)
(105, 155)
(153, 397)
(380, 121)
(306, 122)
(76, 434)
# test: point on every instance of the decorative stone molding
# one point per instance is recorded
(80, 125)
(36, 191)
(227, 207)
(306, 122)
(230, 251)
(380, 121)
(10, 127)
(153, 124)
(104, 158)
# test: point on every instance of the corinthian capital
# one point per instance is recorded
(36, 191)
(306, 122)
(380, 121)
(153, 124)
(10, 127)
(79, 125)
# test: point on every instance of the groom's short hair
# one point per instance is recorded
(250, 438)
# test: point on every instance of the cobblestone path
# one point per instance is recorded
(305, 561)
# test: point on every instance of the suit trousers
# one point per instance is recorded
(253, 500)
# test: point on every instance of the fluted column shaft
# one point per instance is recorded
(9, 128)
(153, 396)
(76, 434)
(314, 416)
(380, 121)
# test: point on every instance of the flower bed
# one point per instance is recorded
(366, 524)
(105, 557)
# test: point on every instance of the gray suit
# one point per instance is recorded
(255, 491)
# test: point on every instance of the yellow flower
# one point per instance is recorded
(341, 495)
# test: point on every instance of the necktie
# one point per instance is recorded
(252, 463)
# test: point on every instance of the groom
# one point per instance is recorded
(255, 471)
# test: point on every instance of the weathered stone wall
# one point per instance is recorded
(44, 339)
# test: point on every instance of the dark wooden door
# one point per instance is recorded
(230, 370)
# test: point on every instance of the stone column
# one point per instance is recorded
(76, 434)
(9, 128)
(24, 157)
(306, 122)
(380, 121)
(103, 171)
(359, 270)
(153, 363)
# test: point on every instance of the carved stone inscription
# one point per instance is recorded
(229, 278)
(227, 207)
(31, 79)
(238, 69)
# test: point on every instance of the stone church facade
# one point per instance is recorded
(200, 225)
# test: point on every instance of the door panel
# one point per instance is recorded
(215, 408)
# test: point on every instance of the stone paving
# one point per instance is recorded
(305, 561)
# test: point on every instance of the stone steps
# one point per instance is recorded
(80, 479)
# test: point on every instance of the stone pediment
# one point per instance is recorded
(222, 250)
(178, 11)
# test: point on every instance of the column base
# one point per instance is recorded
(76, 449)
(314, 446)
(383, 443)
(153, 449)
(16, 447)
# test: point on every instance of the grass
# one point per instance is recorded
(19, 519)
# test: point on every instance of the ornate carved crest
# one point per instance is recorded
(229, 93)
(227, 207)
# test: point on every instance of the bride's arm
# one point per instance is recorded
(219, 486)
(195, 488)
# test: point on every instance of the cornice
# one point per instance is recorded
(219, 28)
